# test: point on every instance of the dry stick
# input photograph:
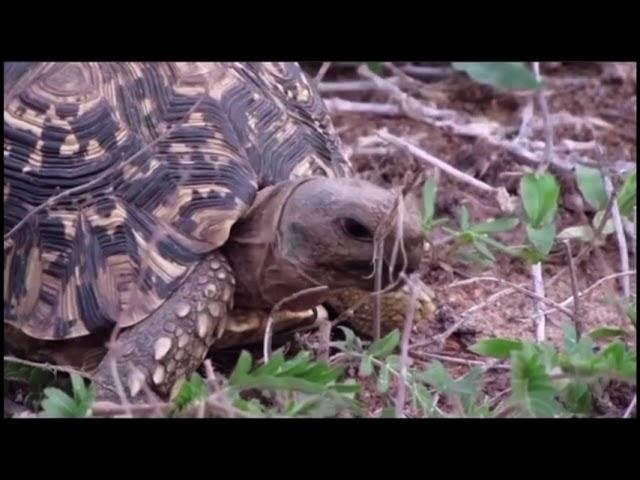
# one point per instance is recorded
(427, 72)
(620, 236)
(548, 130)
(574, 289)
(436, 162)
(325, 339)
(412, 107)
(591, 287)
(531, 294)
(46, 366)
(424, 356)
(536, 269)
(631, 406)
(337, 105)
(322, 71)
(268, 334)
(113, 366)
(351, 86)
(538, 288)
(465, 316)
(404, 347)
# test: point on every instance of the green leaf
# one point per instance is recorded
(577, 398)
(539, 195)
(464, 218)
(604, 332)
(347, 387)
(383, 380)
(394, 362)
(591, 185)
(627, 196)
(190, 391)
(423, 396)
(322, 374)
(58, 404)
(388, 412)
(272, 366)
(429, 191)
(385, 345)
(297, 366)
(531, 388)
(376, 67)
(366, 366)
(570, 336)
(278, 383)
(482, 248)
(349, 337)
(437, 376)
(496, 347)
(468, 387)
(501, 75)
(542, 238)
(497, 225)
(243, 366)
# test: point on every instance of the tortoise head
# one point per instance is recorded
(322, 231)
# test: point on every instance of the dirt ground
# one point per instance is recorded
(605, 95)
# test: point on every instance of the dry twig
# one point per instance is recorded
(631, 406)
(268, 334)
(574, 289)
(621, 238)
(531, 294)
(404, 347)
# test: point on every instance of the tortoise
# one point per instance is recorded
(174, 205)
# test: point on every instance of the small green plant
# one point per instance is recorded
(592, 187)
(299, 387)
(58, 403)
(500, 75)
(539, 194)
(478, 236)
(551, 382)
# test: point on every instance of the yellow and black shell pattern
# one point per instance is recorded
(119, 177)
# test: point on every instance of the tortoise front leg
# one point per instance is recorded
(166, 348)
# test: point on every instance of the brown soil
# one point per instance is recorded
(584, 90)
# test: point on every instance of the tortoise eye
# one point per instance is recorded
(356, 230)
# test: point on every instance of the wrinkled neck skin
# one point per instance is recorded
(264, 274)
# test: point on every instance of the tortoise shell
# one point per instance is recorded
(119, 177)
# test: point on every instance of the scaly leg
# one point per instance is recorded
(166, 348)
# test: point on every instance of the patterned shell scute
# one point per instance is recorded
(142, 168)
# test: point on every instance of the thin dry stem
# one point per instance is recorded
(424, 356)
(531, 294)
(47, 366)
(404, 347)
(631, 406)
(621, 238)
(548, 130)
(574, 289)
(113, 367)
(322, 71)
(591, 287)
(268, 334)
(339, 105)
(436, 162)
